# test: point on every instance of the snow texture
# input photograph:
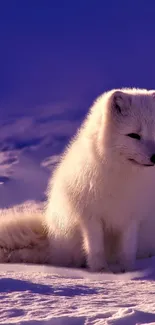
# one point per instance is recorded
(31, 294)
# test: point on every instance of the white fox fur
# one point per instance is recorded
(101, 198)
(23, 236)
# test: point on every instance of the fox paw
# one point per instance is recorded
(96, 263)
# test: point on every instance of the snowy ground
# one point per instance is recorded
(29, 294)
(47, 295)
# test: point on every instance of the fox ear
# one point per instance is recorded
(120, 103)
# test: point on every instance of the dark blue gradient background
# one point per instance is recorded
(72, 51)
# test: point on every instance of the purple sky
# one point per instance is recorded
(71, 51)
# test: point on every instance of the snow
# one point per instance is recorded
(31, 294)
(30, 146)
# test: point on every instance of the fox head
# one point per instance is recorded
(128, 125)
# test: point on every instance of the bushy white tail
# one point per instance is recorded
(23, 235)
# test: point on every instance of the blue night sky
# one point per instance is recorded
(73, 50)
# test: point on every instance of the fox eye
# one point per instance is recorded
(134, 136)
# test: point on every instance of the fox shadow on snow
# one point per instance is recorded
(15, 285)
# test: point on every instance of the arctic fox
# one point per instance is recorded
(101, 195)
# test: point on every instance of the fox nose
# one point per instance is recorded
(152, 159)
